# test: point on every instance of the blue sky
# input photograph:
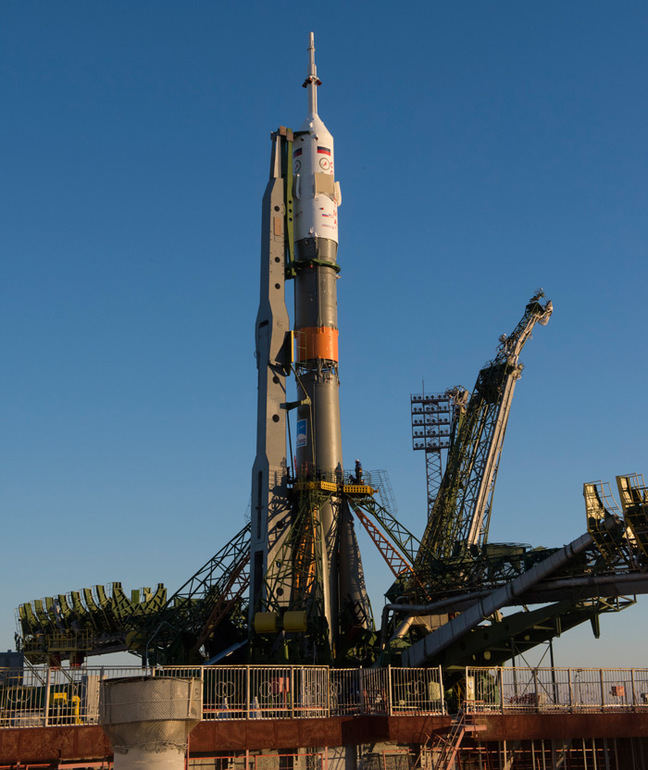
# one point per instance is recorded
(484, 149)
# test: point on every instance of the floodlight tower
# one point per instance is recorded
(431, 415)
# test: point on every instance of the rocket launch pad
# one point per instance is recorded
(306, 572)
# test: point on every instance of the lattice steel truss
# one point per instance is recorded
(431, 429)
(86, 622)
(461, 511)
(208, 611)
(293, 580)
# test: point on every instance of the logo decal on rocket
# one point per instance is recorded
(301, 433)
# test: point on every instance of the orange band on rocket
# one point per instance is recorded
(317, 342)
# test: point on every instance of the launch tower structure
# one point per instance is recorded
(460, 515)
(306, 572)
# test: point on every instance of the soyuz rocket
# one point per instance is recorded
(300, 242)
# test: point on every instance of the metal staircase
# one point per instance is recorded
(448, 745)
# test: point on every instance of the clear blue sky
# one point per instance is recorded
(484, 149)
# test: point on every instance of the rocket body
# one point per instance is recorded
(316, 199)
(319, 441)
(304, 554)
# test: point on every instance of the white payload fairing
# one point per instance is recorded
(316, 193)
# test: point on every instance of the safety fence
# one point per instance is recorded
(556, 689)
(392, 691)
(37, 697)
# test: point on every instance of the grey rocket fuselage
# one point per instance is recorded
(316, 200)
(318, 449)
(319, 435)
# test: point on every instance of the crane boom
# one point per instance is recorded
(461, 512)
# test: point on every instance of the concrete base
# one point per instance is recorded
(148, 720)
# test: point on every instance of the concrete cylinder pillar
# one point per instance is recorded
(148, 720)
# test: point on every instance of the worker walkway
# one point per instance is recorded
(46, 697)
(509, 690)
(49, 717)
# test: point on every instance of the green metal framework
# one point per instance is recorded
(87, 622)
(208, 611)
(293, 579)
(500, 638)
(204, 616)
(573, 594)
(461, 514)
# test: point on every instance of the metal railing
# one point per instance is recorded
(263, 692)
(556, 689)
(37, 697)
(416, 691)
(46, 697)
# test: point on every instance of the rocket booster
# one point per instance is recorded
(303, 551)
(316, 200)
(319, 442)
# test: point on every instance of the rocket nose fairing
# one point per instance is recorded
(317, 194)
